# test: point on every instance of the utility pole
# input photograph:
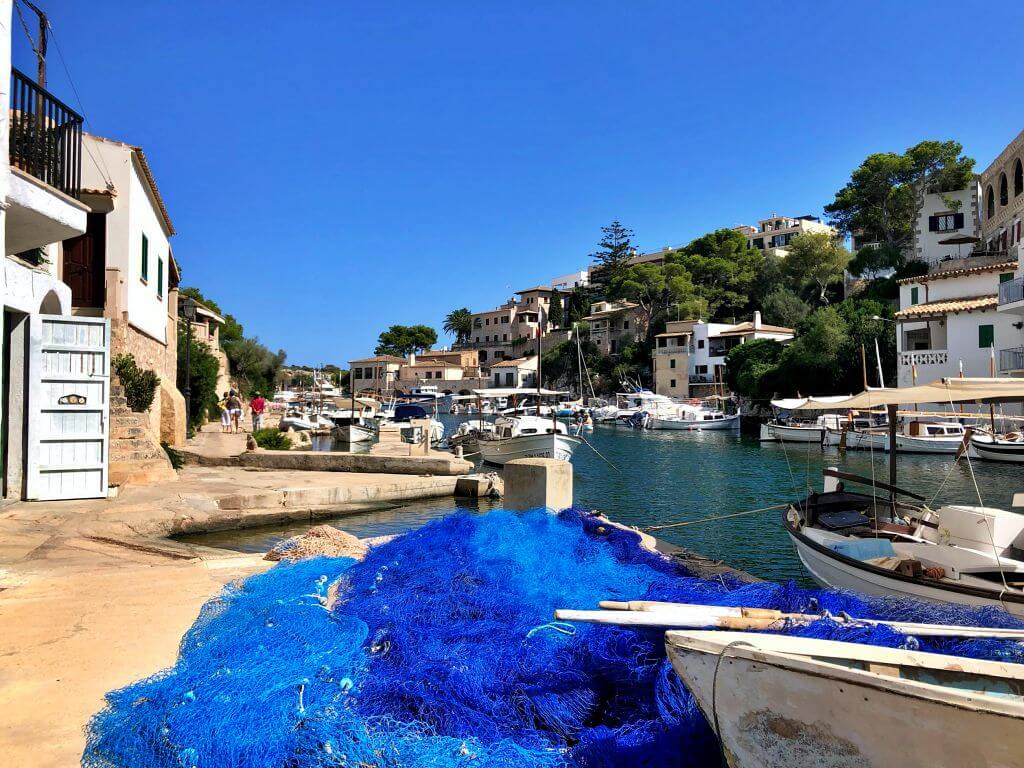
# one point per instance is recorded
(40, 48)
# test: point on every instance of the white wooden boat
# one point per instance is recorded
(347, 429)
(914, 436)
(956, 554)
(777, 701)
(694, 418)
(521, 437)
(1005, 448)
(303, 419)
(792, 431)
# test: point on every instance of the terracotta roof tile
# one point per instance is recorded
(1003, 266)
(971, 304)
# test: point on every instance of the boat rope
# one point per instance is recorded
(581, 437)
(716, 517)
(559, 626)
(714, 693)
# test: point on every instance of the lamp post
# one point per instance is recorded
(188, 309)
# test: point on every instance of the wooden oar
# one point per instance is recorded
(692, 616)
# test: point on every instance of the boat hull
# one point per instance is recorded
(544, 446)
(685, 425)
(879, 441)
(908, 444)
(773, 710)
(783, 434)
(352, 433)
(1003, 451)
(836, 573)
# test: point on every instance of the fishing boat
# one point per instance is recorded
(777, 701)
(354, 425)
(994, 447)
(792, 431)
(521, 437)
(914, 436)
(303, 419)
(694, 418)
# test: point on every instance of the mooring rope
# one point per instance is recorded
(716, 517)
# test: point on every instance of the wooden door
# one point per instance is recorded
(85, 263)
(68, 407)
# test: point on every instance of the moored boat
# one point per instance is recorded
(696, 418)
(1007, 448)
(521, 437)
(777, 701)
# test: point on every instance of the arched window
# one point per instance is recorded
(990, 203)
(1004, 195)
(1018, 178)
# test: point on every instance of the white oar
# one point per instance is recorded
(688, 616)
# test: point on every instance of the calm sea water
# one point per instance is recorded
(666, 477)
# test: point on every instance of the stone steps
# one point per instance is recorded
(136, 456)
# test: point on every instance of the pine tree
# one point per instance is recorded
(615, 252)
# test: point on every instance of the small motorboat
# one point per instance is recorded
(792, 431)
(521, 437)
(1007, 448)
(697, 418)
(880, 546)
(304, 419)
(777, 701)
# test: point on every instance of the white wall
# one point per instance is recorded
(926, 243)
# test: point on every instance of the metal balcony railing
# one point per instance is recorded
(46, 136)
(1011, 359)
(1011, 291)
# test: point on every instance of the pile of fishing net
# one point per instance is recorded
(318, 541)
(439, 649)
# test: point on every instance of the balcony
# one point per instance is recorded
(671, 350)
(1011, 296)
(702, 378)
(1011, 360)
(924, 357)
(45, 150)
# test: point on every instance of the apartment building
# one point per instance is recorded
(502, 333)
(774, 234)
(614, 325)
(689, 357)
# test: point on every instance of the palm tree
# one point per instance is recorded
(459, 323)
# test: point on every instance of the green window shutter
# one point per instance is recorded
(913, 295)
(1006, 277)
(145, 258)
(986, 336)
(160, 278)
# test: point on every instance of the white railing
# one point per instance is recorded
(925, 357)
(1011, 291)
(1011, 359)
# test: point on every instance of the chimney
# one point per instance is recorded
(757, 319)
(412, 358)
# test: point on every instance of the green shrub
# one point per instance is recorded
(139, 384)
(272, 439)
(176, 458)
(202, 375)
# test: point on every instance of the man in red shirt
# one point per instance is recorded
(257, 406)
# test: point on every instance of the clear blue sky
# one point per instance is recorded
(335, 167)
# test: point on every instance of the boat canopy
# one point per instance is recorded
(509, 392)
(947, 390)
(811, 403)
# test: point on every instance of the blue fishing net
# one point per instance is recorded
(439, 649)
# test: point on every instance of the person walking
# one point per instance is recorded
(257, 406)
(235, 408)
(225, 414)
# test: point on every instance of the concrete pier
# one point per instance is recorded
(533, 483)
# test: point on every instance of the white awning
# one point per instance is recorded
(508, 392)
(808, 403)
(949, 390)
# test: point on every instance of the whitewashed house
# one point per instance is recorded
(521, 372)
(122, 269)
(54, 414)
(689, 357)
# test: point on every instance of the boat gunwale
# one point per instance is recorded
(716, 643)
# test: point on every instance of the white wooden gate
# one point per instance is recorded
(68, 407)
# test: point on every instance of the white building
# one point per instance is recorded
(615, 325)
(122, 268)
(689, 357)
(571, 280)
(774, 234)
(521, 372)
(948, 320)
(945, 217)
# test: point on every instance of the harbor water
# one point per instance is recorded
(652, 478)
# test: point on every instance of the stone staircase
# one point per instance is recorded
(136, 456)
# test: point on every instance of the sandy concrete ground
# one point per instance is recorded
(92, 597)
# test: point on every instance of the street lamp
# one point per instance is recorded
(188, 309)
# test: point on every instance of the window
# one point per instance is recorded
(672, 363)
(914, 295)
(1006, 277)
(625, 325)
(1004, 195)
(509, 379)
(700, 344)
(945, 222)
(159, 278)
(429, 375)
(145, 259)
(1018, 178)
(990, 202)
(702, 369)
(611, 346)
(986, 336)
(487, 321)
(504, 337)
(672, 383)
(483, 354)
